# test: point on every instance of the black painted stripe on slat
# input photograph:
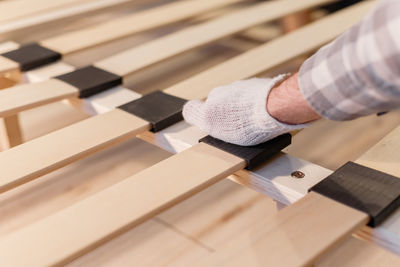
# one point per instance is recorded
(91, 80)
(373, 192)
(31, 56)
(253, 155)
(161, 110)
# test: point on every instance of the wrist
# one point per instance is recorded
(286, 103)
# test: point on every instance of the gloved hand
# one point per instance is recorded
(237, 113)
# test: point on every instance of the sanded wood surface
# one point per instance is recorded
(30, 160)
(80, 8)
(120, 27)
(120, 206)
(20, 8)
(295, 235)
(275, 52)
(149, 53)
(26, 96)
(355, 252)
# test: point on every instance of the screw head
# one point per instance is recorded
(298, 174)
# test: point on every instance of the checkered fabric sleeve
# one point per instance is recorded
(358, 73)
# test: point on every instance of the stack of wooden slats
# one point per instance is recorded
(56, 211)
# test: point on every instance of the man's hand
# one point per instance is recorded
(237, 113)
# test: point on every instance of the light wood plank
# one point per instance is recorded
(297, 234)
(44, 244)
(137, 58)
(118, 28)
(21, 8)
(276, 52)
(127, 25)
(354, 252)
(30, 160)
(58, 15)
(26, 96)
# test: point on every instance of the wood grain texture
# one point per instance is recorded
(82, 139)
(137, 198)
(147, 54)
(275, 52)
(10, 10)
(295, 236)
(355, 252)
(137, 22)
(26, 96)
(88, 6)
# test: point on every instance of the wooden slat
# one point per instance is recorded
(32, 95)
(21, 8)
(275, 52)
(132, 60)
(310, 227)
(82, 39)
(26, 162)
(57, 15)
(49, 241)
(42, 168)
(137, 58)
(355, 252)
(121, 27)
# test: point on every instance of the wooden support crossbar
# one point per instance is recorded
(155, 51)
(51, 155)
(118, 28)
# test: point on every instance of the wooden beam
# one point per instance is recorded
(137, 58)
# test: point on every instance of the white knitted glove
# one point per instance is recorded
(237, 113)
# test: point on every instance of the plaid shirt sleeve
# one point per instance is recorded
(358, 73)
